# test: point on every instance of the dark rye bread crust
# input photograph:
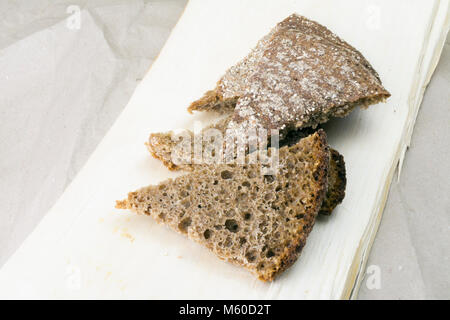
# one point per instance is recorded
(265, 227)
(337, 182)
(297, 76)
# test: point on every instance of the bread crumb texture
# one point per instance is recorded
(260, 222)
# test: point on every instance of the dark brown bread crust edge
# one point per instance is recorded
(293, 251)
(336, 192)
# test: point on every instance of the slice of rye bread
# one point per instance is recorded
(255, 221)
(337, 182)
(299, 75)
(337, 178)
(162, 145)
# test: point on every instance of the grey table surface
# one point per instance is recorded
(61, 90)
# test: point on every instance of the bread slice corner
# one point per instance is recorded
(252, 220)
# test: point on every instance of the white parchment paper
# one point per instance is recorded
(62, 85)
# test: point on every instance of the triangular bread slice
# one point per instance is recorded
(337, 175)
(162, 147)
(337, 182)
(256, 221)
(299, 75)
